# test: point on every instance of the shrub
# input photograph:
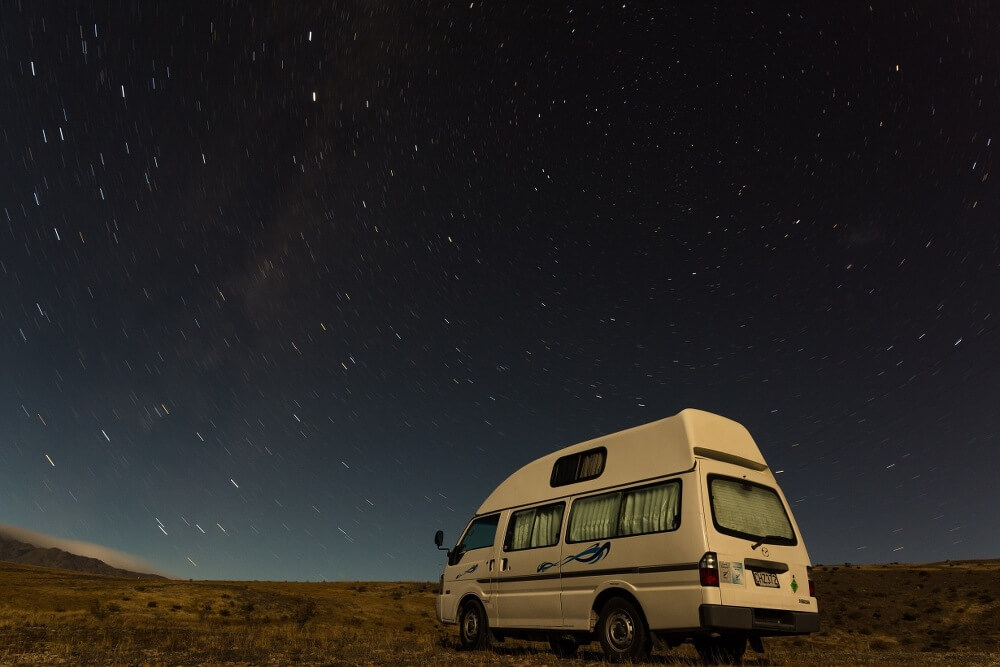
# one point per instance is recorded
(304, 611)
(96, 610)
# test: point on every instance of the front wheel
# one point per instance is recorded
(473, 626)
(622, 631)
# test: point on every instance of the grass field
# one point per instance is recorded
(942, 613)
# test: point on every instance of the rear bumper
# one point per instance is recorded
(763, 622)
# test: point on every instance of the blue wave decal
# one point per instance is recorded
(588, 556)
(469, 571)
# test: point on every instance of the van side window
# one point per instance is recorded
(648, 509)
(481, 533)
(578, 467)
(653, 509)
(535, 527)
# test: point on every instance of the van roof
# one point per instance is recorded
(649, 451)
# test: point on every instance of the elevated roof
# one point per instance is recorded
(649, 451)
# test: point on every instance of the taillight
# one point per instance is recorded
(812, 586)
(708, 569)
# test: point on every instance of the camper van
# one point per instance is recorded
(669, 532)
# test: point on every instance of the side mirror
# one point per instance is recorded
(439, 538)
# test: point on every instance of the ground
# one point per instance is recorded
(939, 613)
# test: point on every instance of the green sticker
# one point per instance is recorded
(795, 584)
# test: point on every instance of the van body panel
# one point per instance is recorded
(756, 573)
(472, 573)
(527, 590)
(641, 564)
(641, 510)
(663, 447)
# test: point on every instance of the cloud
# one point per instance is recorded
(113, 558)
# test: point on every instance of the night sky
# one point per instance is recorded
(286, 287)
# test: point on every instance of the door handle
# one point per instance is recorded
(503, 565)
(492, 561)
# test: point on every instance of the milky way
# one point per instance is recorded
(285, 289)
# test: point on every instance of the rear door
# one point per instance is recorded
(762, 561)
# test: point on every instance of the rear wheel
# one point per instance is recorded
(473, 626)
(622, 631)
(721, 650)
(564, 646)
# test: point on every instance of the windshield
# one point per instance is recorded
(752, 511)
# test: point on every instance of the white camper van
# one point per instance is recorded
(673, 531)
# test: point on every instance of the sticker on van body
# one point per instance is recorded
(588, 556)
(731, 572)
(469, 571)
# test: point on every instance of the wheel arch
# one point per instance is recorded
(471, 595)
(615, 592)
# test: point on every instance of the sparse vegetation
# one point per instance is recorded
(53, 616)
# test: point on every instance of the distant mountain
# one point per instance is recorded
(13, 551)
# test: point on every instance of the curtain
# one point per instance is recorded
(522, 529)
(650, 510)
(548, 520)
(594, 518)
(749, 509)
(590, 465)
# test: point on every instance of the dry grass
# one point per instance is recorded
(876, 615)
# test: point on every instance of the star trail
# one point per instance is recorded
(286, 287)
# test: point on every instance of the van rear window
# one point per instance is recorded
(578, 467)
(748, 510)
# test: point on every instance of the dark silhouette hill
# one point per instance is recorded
(14, 551)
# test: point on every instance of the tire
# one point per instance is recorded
(473, 626)
(564, 646)
(721, 650)
(622, 631)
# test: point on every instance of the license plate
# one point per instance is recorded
(766, 579)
